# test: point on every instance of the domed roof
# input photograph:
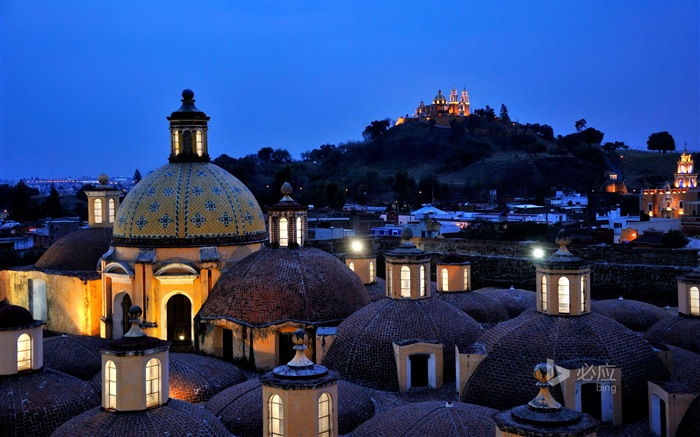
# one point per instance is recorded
(514, 300)
(196, 378)
(275, 285)
(430, 419)
(190, 204)
(38, 403)
(377, 290)
(79, 250)
(636, 315)
(363, 348)
(76, 355)
(685, 368)
(504, 377)
(14, 317)
(439, 98)
(240, 407)
(481, 307)
(174, 418)
(682, 331)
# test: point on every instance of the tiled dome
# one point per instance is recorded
(79, 250)
(432, 418)
(682, 331)
(363, 353)
(196, 378)
(377, 290)
(481, 307)
(276, 285)
(504, 377)
(189, 203)
(37, 403)
(174, 418)
(636, 315)
(514, 300)
(240, 408)
(76, 355)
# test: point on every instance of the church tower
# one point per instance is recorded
(188, 132)
(563, 282)
(684, 176)
(288, 221)
(464, 103)
(407, 270)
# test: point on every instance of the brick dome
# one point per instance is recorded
(431, 418)
(682, 331)
(504, 378)
(196, 378)
(79, 250)
(363, 353)
(514, 300)
(481, 307)
(14, 317)
(76, 355)
(636, 315)
(377, 290)
(276, 285)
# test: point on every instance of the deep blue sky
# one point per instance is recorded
(86, 85)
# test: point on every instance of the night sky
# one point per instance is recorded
(86, 85)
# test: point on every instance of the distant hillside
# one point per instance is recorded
(417, 162)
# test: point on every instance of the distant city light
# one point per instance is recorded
(538, 253)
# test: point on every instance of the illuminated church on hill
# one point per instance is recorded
(674, 201)
(441, 110)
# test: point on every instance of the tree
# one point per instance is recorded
(137, 176)
(20, 202)
(591, 136)
(674, 239)
(661, 141)
(580, 125)
(52, 204)
(265, 153)
(504, 113)
(376, 129)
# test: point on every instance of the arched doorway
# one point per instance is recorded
(179, 321)
(126, 305)
(120, 315)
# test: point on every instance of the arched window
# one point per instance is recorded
(97, 213)
(284, 233)
(352, 266)
(405, 281)
(324, 415)
(544, 293)
(24, 352)
(199, 143)
(152, 383)
(390, 279)
(176, 142)
(650, 207)
(564, 303)
(299, 233)
(422, 281)
(275, 421)
(371, 271)
(112, 210)
(111, 385)
(583, 294)
(694, 301)
(466, 279)
(445, 279)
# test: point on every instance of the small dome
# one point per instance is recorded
(240, 407)
(38, 403)
(479, 306)
(504, 377)
(174, 418)
(275, 285)
(78, 251)
(76, 355)
(196, 378)
(14, 316)
(636, 315)
(514, 300)
(377, 290)
(363, 348)
(430, 419)
(681, 331)
(189, 204)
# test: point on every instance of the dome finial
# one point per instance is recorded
(103, 179)
(187, 95)
(135, 330)
(286, 190)
(543, 372)
(563, 240)
(300, 338)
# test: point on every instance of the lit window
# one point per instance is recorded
(564, 304)
(299, 240)
(24, 352)
(405, 282)
(583, 294)
(176, 142)
(276, 416)
(694, 301)
(97, 213)
(445, 280)
(352, 266)
(422, 281)
(371, 271)
(111, 210)
(324, 415)
(390, 280)
(152, 382)
(650, 207)
(111, 385)
(466, 279)
(284, 233)
(198, 142)
(544, 293)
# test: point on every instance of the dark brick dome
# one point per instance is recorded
(682, 331)
(196, 378)
(14, 316)
(377, 290)
(37, 403)
(76, 355)
(363, 353)
(79, 250)
(432, 418)
(514, 300)
(636, 315)
(276, 285)
(174, 418)
(504, 378)
(481, 307)
(240, 408)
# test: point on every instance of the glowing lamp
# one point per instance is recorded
(357, 246)
(181, 337)
(538, 253)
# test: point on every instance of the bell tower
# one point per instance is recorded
(188, 132)
(684, 176)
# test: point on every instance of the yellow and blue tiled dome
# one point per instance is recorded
(190, 203)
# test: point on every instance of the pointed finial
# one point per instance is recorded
(562, 240)
(300, 339)
(543, 372)
(135, 330)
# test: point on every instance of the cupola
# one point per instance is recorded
(453, 273)
(563, 282)
(21, 341)
(103, 203)
(685, 176)
(300, 398)
(361, 262)
(188, 132)
(689, 294)
(407, 270)
(135, 370)
(288, 221)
